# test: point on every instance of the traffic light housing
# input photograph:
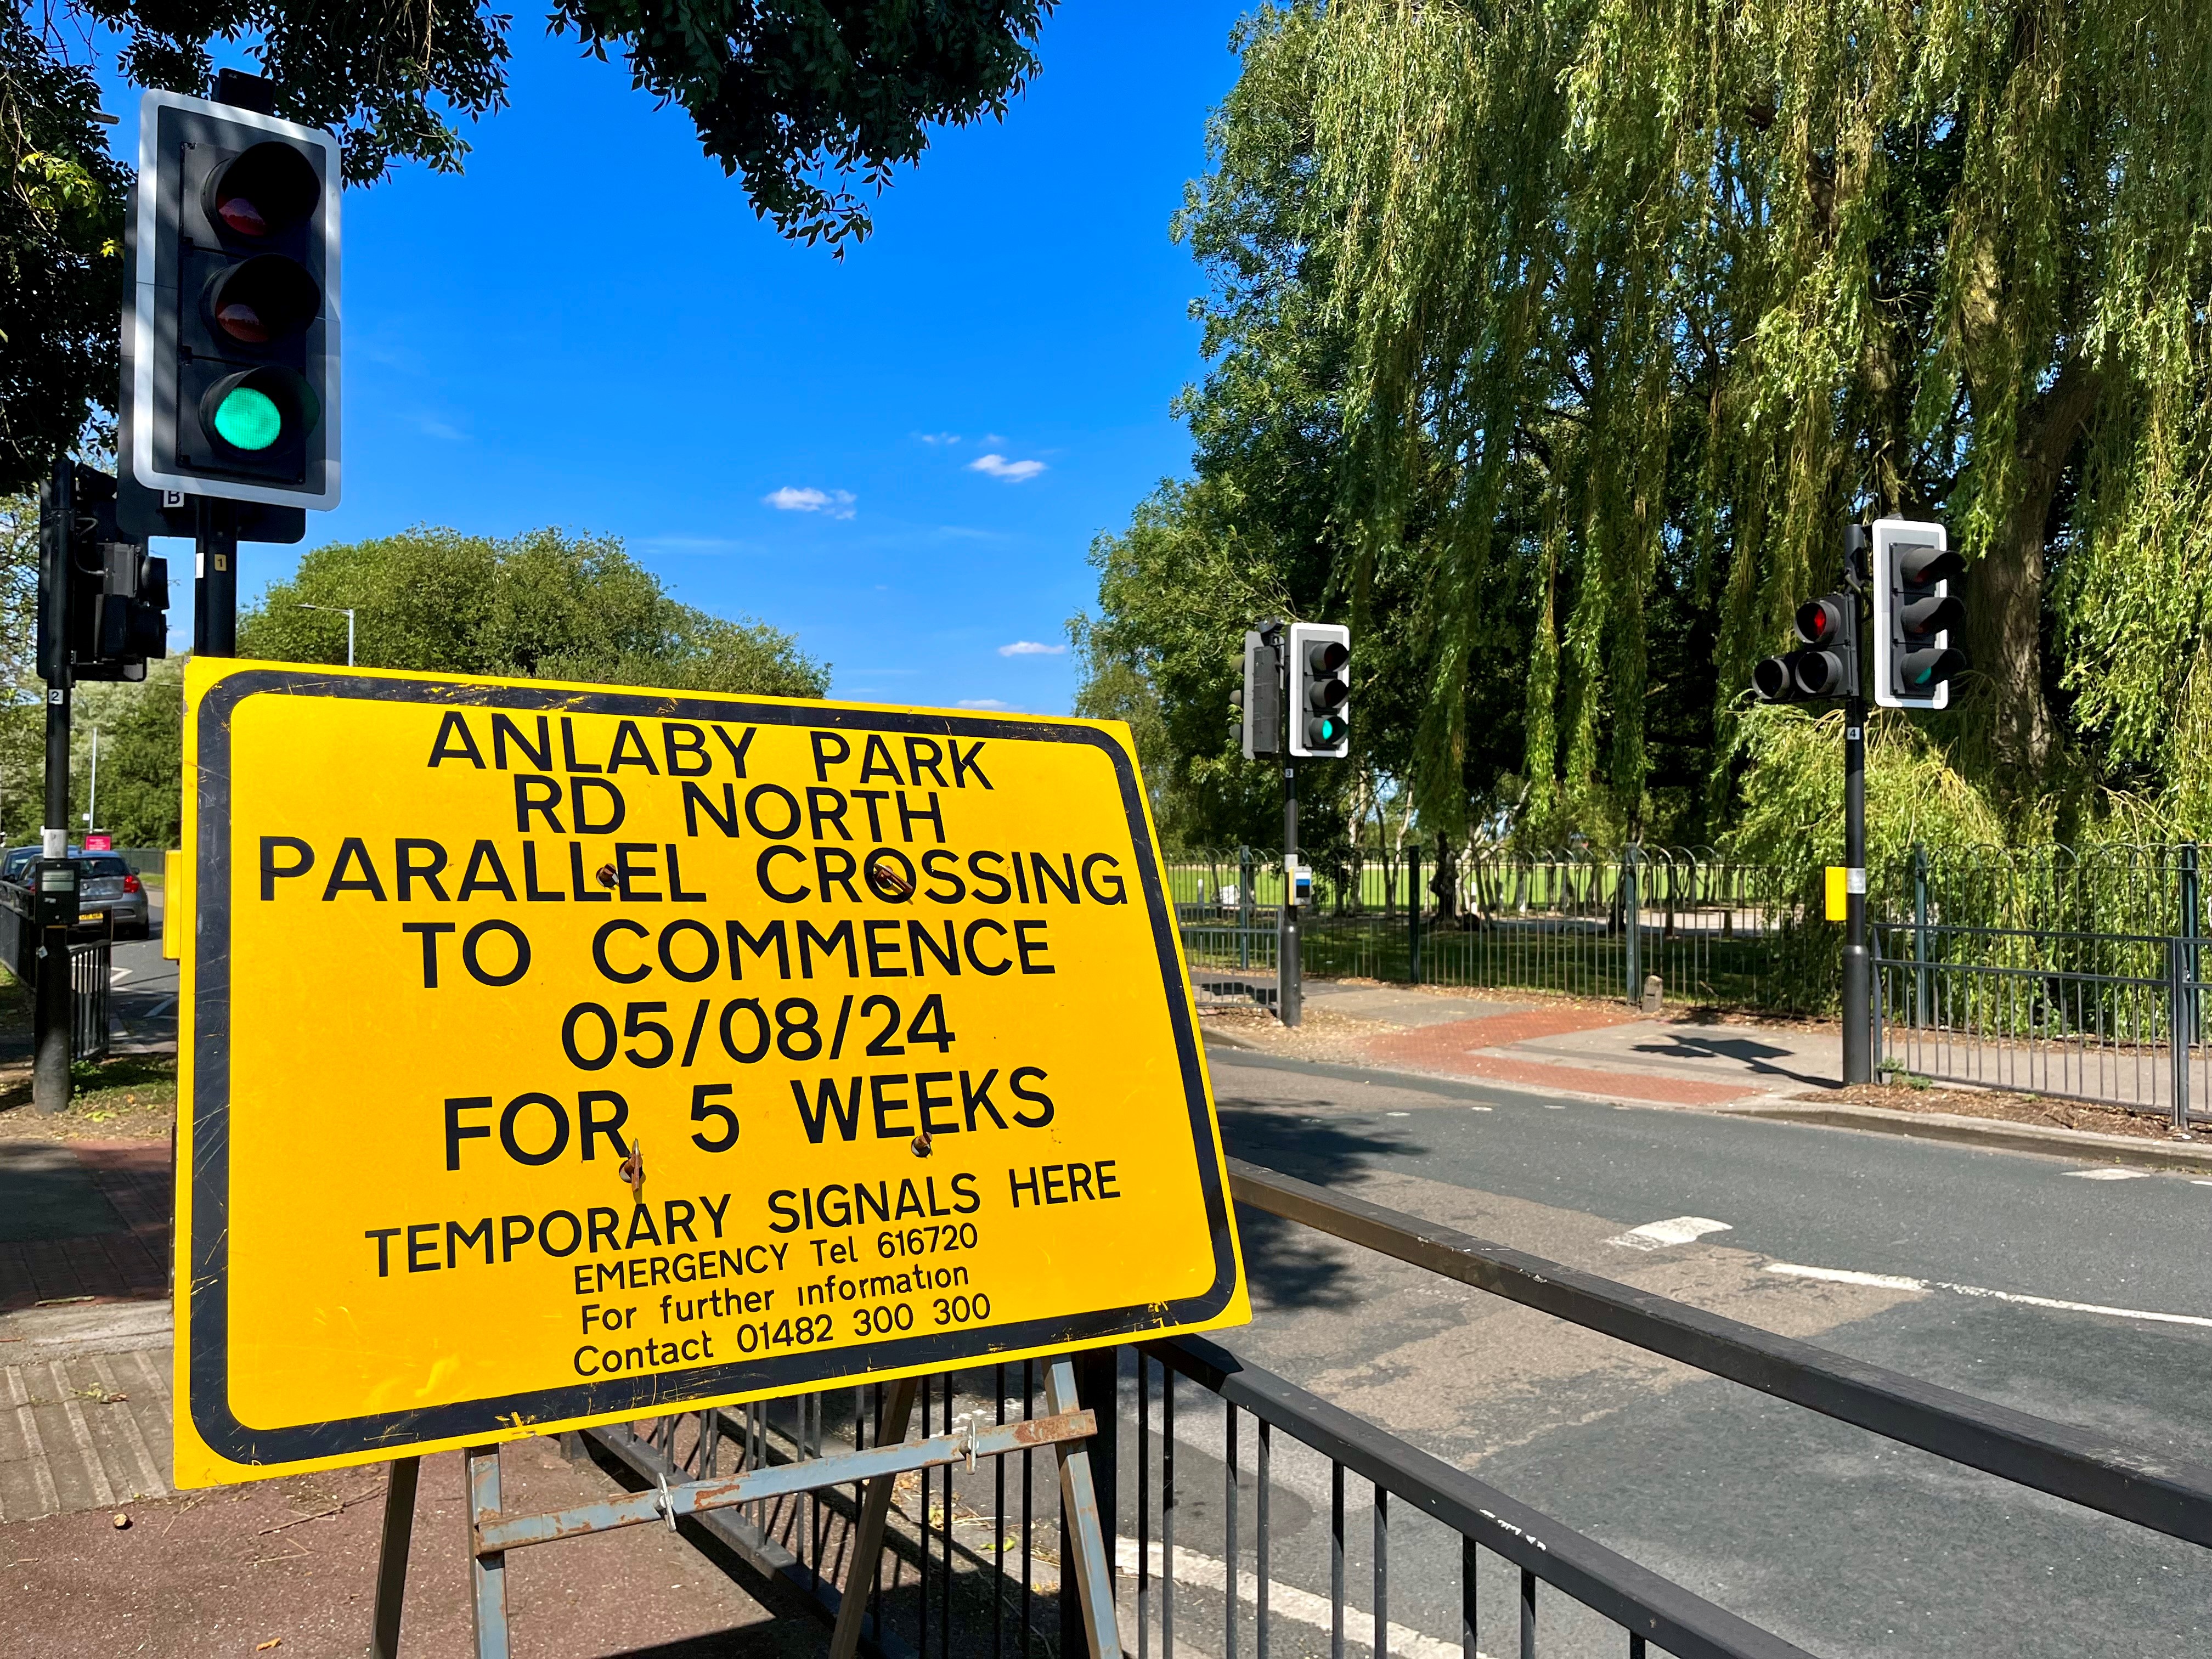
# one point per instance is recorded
(110, 620)
(1259, 703)
(1825, 664)
(1917, 613)
(231, 337)
(1320, 725)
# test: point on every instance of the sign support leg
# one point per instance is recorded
(1093, 1570)
(875, 1515)
(391, 1555)
(487, 1573)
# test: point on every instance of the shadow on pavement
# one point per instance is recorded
(1752, 1054)
(1291, 1266)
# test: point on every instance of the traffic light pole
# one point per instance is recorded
(1290, 992)
(51, 985)
(215, 595)
(1858, 975)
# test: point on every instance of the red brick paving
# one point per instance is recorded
(1432, 1045)
(132, 1265)
(1460, 1048)
(1614, 1085)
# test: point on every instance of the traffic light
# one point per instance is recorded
(231, 335)
(1825, 664)
(1260, 701)
(1916, 611)
(110, 620)
(1321, 689)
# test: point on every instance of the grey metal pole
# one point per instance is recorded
(52, 992)
(1858, 1030)
(1414, 913)
(1632, 914)
(1289, 992)
(1920, 933)
(1243, 910)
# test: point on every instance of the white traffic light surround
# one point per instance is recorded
(1302, 679)
(1890, 535)
(151, 323)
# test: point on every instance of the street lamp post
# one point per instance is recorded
(346, 610)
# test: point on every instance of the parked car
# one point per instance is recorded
(107, 891)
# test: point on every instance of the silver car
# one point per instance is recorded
(108, 891)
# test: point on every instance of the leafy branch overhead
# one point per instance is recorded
(810, 104)
(1554, 341)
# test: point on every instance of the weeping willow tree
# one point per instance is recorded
(1636, 302)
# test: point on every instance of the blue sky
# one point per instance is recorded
(590, 329)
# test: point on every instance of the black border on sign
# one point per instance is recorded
(645, 1394)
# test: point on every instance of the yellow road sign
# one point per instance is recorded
(561, 1055)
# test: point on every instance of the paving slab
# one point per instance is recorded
(1395, 1006)
(287, 1568)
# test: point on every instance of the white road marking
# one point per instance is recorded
(1658, 1235)
(1897, 1282)
(1397, 1114)
(2201, 1183)
(1492, 1109)
(2110, 1174)
(1284, 1600)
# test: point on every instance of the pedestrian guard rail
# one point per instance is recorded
(1194, 1446)
(2050, 970)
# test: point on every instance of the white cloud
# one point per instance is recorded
(939, 437)
(1031, 649)
(986, 704)
(998, 467)
(444, 431)
(837, 503)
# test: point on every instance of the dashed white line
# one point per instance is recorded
(2110, 1174)
(1658, 1235)
(1899, 1282)
(1285, 1601)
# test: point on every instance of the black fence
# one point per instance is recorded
(91, 971)
(1199, 1454)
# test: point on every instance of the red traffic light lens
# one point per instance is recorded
(1821, 622)
(263, 192)
(265, 299)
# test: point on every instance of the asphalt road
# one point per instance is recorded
(1839, 1541)
(142, 989)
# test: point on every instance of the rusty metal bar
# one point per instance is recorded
(492, 1533)
(487, 1569)
(1093, 1568)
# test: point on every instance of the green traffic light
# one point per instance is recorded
(247, 419)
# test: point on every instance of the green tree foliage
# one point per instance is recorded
(544, 605)
(141, 743)
(1571, 331)
(802, 101)
(61, 255)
